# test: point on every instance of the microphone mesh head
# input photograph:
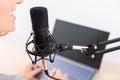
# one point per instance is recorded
(39, 17)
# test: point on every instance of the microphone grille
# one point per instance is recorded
(39, 17)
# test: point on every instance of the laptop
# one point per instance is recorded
(76, 65)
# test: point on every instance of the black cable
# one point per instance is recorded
(47, 73)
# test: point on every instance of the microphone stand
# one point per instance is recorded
(91, 50)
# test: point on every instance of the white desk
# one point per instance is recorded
(13, 58)
(108, 71)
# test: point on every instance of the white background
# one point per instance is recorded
(99, 14)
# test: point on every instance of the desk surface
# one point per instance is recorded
(14, 57)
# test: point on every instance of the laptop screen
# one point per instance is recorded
(74, 34)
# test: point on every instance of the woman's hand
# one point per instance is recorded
(58, 74)
(30, 71)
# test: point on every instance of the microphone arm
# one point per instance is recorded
(92, 49)
(106, 43)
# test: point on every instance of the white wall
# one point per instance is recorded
(99, 14)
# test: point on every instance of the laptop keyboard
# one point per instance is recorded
(74, 70)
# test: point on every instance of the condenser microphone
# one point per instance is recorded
(41, 38)
(39, 18)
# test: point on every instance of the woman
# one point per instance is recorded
(7, 24)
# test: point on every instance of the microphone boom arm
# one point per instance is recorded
(93, 48)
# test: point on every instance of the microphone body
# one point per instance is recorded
(39, 18)
(42, 40)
